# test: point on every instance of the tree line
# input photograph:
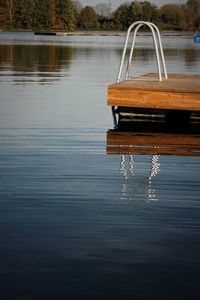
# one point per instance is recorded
(70, 15)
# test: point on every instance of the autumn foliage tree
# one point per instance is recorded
(53, 14)
(182, 17)
(7, 11)
(170, 14)
(194, 5)
(37, 14)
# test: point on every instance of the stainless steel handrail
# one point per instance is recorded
(157, 44)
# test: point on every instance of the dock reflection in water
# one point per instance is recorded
(130, 142)
(134, 187)
(132, 145)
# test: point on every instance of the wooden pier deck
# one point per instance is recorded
(178, 92)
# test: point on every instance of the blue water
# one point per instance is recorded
(76, 222)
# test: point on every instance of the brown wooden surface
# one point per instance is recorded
(180, 92)
(152, 143)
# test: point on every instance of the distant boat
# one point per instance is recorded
(44, 33)
(60, 33)
(197, 38)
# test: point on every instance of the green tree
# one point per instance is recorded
(23, 14)
(66, 14)
(40, 14)
(150, 12)
(128, 13)
(122, 16)
(32, 14)
(136, 11)
(88, 18)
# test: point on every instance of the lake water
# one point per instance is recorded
(76, 222)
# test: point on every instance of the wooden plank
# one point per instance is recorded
(179, 92)
(152, 143)
(175, 83)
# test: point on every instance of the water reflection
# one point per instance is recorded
(191, 57)
(144, 58)
(62, 220)
(132, 146)
(41, 61)
(134, 187)
(152, 143)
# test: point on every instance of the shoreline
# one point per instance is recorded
(123, 33)
(169, 33)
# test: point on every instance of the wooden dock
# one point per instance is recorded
(178, 92)
(120, 142)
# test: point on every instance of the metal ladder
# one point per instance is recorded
(158, 48)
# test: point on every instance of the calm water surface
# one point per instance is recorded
(75, 222)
